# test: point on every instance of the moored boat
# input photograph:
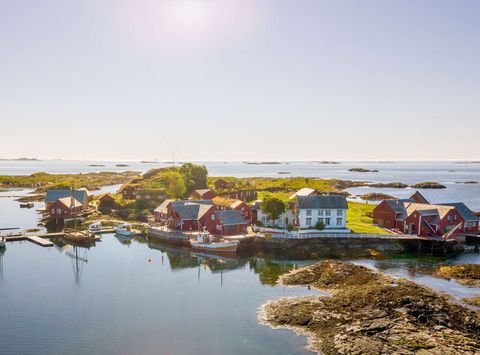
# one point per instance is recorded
(124, 229)
(205, 242)
(3, 240)
(95, 226)
(77, 236)
(26, 205)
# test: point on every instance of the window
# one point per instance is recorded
(59, 211)
(339, 212)
(327, 221)
(213, 217)
(339, 221)
(320, 212)
(53, 210)
(309, 221)
(449, 218)
(309, 212)
(264, 219)
(327, 212)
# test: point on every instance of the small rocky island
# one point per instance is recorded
(429, 185)
(376, 196)
(371, 313)
(362, 170)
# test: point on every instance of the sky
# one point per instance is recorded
(240, 79)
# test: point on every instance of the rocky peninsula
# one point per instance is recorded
(371, 313)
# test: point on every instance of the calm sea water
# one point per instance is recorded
(136, 297)
(452, 174)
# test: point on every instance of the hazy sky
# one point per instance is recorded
(240, 79)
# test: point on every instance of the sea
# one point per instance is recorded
(461, 178)
(137, 296)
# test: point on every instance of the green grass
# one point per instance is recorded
(282, 195)
(358, 221)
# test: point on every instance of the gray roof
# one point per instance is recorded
(398, 206)
(322, 202)
(466, 213)
(230, 217)
(54, 195)
(190, 211)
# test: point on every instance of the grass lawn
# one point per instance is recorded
(358, 221)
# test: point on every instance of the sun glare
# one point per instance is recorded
(186, 25)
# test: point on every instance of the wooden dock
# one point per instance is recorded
(40, 241)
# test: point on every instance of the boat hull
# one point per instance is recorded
(227, 248)
(123, 233)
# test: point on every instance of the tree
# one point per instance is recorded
(273, 208)
(174, 183)
(195, 176)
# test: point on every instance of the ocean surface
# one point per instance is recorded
(454, 175)
(132, 296)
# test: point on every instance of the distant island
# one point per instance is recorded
(21, 159)
(362, 170)
(97, 165)
(325, 162)
(121, 165)
(262, 162)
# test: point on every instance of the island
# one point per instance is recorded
(429, 185)
(362, 170)
(376, 196)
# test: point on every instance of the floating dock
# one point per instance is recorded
(40, 241)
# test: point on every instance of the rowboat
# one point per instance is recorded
(124, 229)
(205, 242)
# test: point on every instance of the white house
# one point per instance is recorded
(330, 209)
(288, 217)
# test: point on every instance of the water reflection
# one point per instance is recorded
(2, 252)
(79, 257)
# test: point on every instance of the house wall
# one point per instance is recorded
(384, 216)
(151, 196)
(471, 226)
(414, 224)
(288, 215)
(59, 210)
(313, 215)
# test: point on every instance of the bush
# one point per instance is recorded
(320, 226)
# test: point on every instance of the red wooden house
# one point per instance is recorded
(224, 204)
(202, 194)
(228, 222)
(65, 207)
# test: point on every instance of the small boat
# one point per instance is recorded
(3, 240)
(205, 243)
(26, 205)
(124, 229)
(95, 226)
(78, 237)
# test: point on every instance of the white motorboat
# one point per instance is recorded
(124, 229)
(3, 240)
(205, 242)
(95, 226)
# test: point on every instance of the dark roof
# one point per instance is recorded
(54, 195)
(191, 211)
(398, 206)
(466, 213)
(230, 217)
(326, 202)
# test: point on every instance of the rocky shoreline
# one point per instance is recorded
(371, 313)
(465, 274)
